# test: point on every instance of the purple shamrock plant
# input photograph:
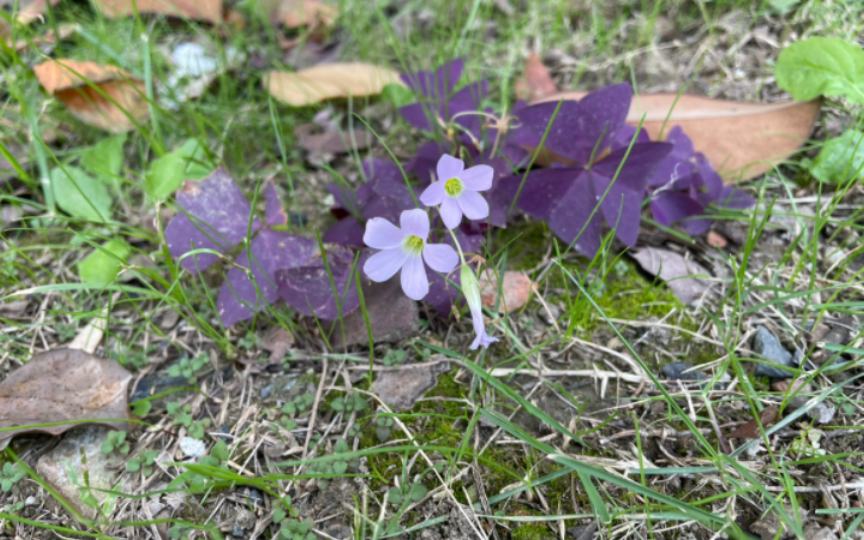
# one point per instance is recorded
(566, 197)
(217, 217)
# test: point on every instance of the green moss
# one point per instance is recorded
(531, 531)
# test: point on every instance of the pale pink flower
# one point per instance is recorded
(456, 191)
(405, 249)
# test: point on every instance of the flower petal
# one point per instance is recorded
(415, 283)
(473, 205)
(449, 167)
(415, 222)
(440, 257)
(451, 213)
(478, 178)
(433, 195)
(384, 264)
(381, 234)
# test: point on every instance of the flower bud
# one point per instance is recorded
(471, 290)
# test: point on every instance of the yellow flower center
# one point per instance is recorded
(413, 244)
(454, 187)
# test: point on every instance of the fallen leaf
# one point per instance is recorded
(63, 385)
(331, 142)
(278, 341)
(200, 10)
(329, 81)
(798, 386)
(516, 286)
(535, 82)
(29, 10)
(297, 13)
(392, 315)
(70, 81)
(675, 270)
(742, 140)
(750, 430)
(403, 387)
(14, 308)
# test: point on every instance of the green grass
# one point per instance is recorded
(242, 128)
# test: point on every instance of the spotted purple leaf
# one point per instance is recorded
(215, 215)
(308, 288)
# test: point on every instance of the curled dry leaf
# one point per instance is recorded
(297, 13)
(750, 430)
(70, 81)
(200, 10)
(535, 82)
(678, 273)
(30, 10)
(63, 385)
(331, 142)
(743, 140)
(516, 286)
(329, 81)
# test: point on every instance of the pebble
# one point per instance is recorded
(237, 532)
(769, 347)
(255, 498)
(245, 519)
(679, 371)
(192, 447)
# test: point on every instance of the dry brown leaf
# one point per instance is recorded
(200, 10)
(535, 82)
(297, 13)
(331, 142)
(68, 81)
(329, 81)
(750, 430)
(675, 270)
(742, 140)
(29, 10)
(516, 286)
(63, 385)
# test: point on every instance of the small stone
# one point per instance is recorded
(516, 288)
(192, 447)
(237, 531)
(30, 501)
(812, 531)
(717, 240)
(255, 498)
(822, 413)
(245, 519)
(682, 371)
(80, 446)
(402, 388)
(766, 528)
(768, 347)
(283, 388)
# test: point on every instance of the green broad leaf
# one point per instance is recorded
(840, 159)
(102, 266)
(133, 465)
(822, 66)
(81, 195)
(166, 174)
(394, 495)
(220, 451)
(417, 492)
(398, 95)
(340, 467)
(278, 515)
(105, 158)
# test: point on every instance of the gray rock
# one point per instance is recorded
(245, 519)
(80, 446)
(822, 413)
(812, 531)
(237, 531)
(403, 387)
(283, 388)
(679, 371)
(769, 347)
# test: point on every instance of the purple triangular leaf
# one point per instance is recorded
(271, 251)
(417, 114)
(639, 167)
(625, 136)
(710, 179)
(603, 113)
(467, 99)
(536, 118)
(424, 162)
(347, 232)
(621, 207)
(669, 207)
(572, 212)
(683, 147)
(732, 197)
(274, 212)
(217, 218)
(308, 288)
(435, 85)
(542, 189)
